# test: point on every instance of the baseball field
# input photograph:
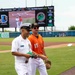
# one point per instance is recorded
(60, 50)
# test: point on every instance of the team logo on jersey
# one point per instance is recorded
(36, 45)
(21, 45)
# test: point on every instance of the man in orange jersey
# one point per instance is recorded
(38, 48)
(20, 20)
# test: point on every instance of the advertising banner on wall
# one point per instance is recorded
(4, 19)
(40, 17)
(0, 34)
(4, 34)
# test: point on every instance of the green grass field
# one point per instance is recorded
(59, 39)
(6, 39)
(46, 39)
(5, 47)
(61, 58)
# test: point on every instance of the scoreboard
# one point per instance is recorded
(44, 16)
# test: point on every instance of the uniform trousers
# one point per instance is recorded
(39, 64)
(22, 69)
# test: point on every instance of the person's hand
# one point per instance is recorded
(34, 55)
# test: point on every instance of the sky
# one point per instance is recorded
(64, 10)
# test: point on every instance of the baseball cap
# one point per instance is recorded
(34, 25)
(26, 26)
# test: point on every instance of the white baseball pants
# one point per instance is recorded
(22, 69)
(38, 64)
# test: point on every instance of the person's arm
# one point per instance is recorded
(40, 56)
(44, 53)
(21, 54)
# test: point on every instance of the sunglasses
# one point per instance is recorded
(36, 27)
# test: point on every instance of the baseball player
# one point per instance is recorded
(20, 47)
(17, 22)
(38, 48)
(20, 20)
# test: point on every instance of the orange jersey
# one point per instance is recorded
(37, 43)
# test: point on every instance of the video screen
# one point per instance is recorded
(16, 18)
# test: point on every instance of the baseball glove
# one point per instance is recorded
(48, 64)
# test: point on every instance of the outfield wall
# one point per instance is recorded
(44, 34)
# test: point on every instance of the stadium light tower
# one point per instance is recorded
(46, 2)
(35, 3)
(51, 2)
(26, 3)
